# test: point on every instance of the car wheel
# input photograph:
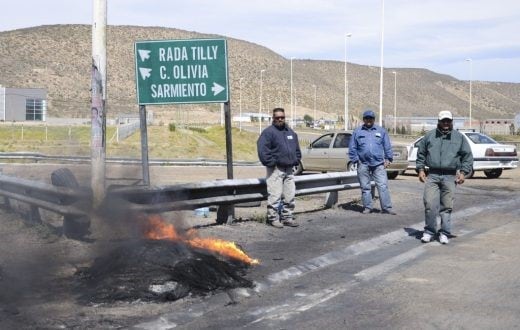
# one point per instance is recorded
(298, 169)
(494, 173)
(352, 167)
(392, 175)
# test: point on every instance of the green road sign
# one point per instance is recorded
(181, 71)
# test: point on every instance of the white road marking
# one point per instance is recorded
(301, 303)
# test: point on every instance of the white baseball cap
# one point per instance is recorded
(445, 115)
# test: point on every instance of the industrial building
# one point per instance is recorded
(23, 104)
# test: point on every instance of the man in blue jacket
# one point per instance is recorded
(279, 151)
(370, 149)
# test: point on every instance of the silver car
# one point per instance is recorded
(329, 152)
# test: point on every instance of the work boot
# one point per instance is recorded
(275, 223)
(290, 223)
(366, 210)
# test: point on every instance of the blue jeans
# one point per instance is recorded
(366, 174)
(439, 189)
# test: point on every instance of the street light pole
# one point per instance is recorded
(260, 108)
(292, 98)
(381, 77)
(240, 105)
(314, 119)
(348, 35)
(470, 77)
(395, 101)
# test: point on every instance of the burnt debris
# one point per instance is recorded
(157, 270)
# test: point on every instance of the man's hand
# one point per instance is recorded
(460, 178)
(387, 162)
(422, 176)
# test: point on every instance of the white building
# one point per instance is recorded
(23, 104)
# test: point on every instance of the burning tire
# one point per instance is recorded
(75, 227)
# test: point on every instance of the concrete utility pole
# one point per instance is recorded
(98, 89)
(470, 78)
(260, 106)
(346, 120)
(381, 73)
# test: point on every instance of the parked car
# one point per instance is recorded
(488, 155)
(329, 152)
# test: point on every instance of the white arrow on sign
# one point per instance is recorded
(216, 88)
(145, 73)
(144, 54)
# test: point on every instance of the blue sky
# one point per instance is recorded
(438, 35)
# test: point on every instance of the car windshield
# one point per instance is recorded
(478, 138)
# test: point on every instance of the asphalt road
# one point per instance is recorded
(339, 269)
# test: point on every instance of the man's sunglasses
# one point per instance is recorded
(279, 117)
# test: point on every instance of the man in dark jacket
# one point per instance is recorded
(448, 157)
(279, 151)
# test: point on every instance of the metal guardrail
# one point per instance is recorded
(224, 193)
(61, 200)
(38, 157)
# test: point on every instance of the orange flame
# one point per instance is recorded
(157, 228)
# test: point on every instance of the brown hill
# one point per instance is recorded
(58, 58)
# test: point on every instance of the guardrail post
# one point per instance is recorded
(225, 214)
(7, 204)
(34, 215)
(331, 199)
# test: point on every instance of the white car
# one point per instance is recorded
(488, 155)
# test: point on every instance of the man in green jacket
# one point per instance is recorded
(448, 157)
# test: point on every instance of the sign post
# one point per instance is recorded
(183, 71)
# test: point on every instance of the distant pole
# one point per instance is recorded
(470, 77)
(98, 96)
(315, 94)
(260, 108)
(348, 35)
(292, 98)
(240, 105)
(395, 101)
(381, 76)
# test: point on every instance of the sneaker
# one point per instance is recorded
(290, 223)
(366, 210)
(276, 224)
(389, 212)
(443, 239)
(426, 237)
